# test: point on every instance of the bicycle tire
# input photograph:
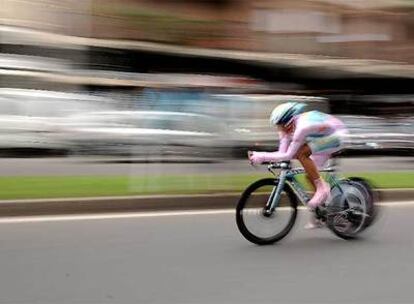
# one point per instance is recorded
(372, 199)
(361, 195)
(291, 201)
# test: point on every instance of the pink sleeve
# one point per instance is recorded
(283, 142)
(288, 151)
(298, 140)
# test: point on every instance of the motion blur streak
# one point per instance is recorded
(41, 219)
(194, 81)
(103, 99)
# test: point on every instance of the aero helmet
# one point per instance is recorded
(284, 112)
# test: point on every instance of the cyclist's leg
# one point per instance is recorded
(313, 156)
(304, 157)
(323, 147)
(322, 189)
(312, 174)
(314, 178)
(320, 159)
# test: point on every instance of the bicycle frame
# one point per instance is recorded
(288, 175)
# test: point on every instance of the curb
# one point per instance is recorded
(145, 203)
(117, 204)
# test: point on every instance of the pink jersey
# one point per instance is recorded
(323, 133)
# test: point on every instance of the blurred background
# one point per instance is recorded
(111, 98)
(195, 81)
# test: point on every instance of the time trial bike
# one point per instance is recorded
(267, 209)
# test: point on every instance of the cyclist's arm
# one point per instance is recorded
(303, 129)
(284, 141)
(280, 156)
(298, 139)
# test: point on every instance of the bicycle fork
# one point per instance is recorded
(274, 198)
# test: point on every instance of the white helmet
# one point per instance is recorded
(284, 112)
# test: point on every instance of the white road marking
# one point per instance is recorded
(397, 204)
(105, 216)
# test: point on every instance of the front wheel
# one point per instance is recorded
(258, 226)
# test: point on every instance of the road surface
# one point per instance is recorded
(201, 258)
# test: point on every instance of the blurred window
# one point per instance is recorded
(354, 38)
(294, 21)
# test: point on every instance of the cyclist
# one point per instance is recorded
(311, 137)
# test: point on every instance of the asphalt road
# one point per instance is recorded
(202, 259)
(107, 166)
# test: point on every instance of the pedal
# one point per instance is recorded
(320, 213)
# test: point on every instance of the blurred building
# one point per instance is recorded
(358, 29)
(53, 45)
(375, 29)
(221, 58)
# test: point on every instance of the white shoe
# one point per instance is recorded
(314, 223)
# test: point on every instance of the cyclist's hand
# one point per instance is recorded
(256, 158)
(249, 154)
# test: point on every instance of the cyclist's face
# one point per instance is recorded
(287, 128)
